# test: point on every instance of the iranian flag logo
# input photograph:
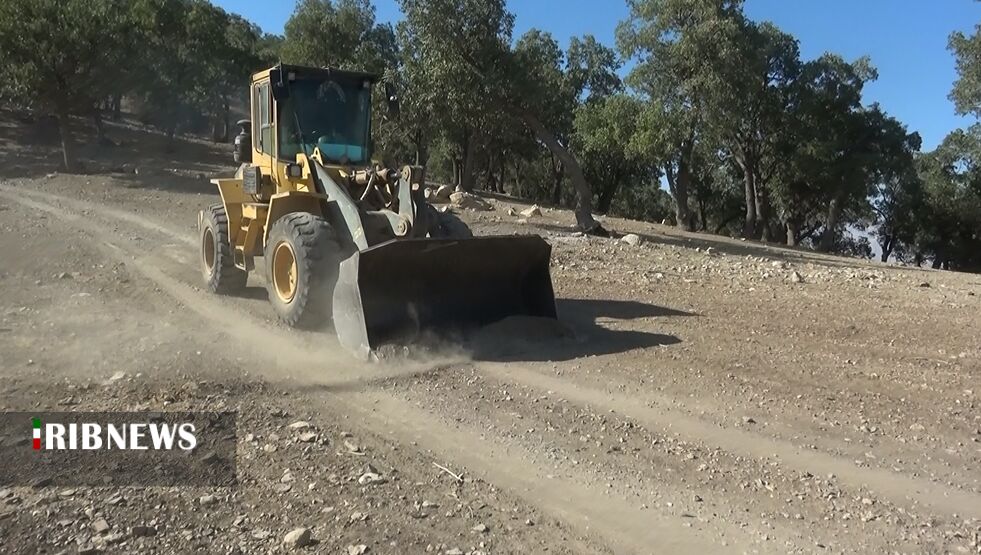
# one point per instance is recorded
(37, 433)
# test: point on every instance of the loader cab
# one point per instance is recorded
(297, 110)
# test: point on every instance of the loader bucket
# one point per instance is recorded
(395, 290)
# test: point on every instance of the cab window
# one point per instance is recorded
(262, 125)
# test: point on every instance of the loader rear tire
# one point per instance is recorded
(301, 257)
(217, 265)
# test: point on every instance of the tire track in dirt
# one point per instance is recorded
(589, 509)
(892, 486)
(895, 487)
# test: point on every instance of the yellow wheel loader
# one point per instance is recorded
(341, 239)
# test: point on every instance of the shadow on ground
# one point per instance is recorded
(254, 293)
(577, 334)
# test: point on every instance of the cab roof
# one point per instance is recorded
(306, 72)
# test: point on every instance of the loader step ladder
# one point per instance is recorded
(253, 220)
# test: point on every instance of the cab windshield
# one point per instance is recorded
(333, 115)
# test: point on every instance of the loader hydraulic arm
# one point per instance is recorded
(345, 204)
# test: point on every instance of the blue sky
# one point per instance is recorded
(906, 39)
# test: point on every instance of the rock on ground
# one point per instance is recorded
(443, 193)
(299, 537)
(531, 211)
(632, 239)
(469, 201)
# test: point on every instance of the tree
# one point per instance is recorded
(603, 129)
(239, 57)
(897, 190)
(897, 203)
(592, 69)
(679, 46)
(966, 93)
(196, 58)
(458, 61)
(822, 153)
(544, 98)
(949, 230)
(339, 33)
(464, 47)
(63, 57)
(749, 107)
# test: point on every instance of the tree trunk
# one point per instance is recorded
(702, 219)
(220, 124)
(422, 154)
(834, 213)
(793, 228)
(117, 107)
(584, 194)
(607, 195)
(500, 172)
(887, 246)
(226, 118)
(100, 128)
(171, 136)
(70, 163)
(466, 171)
(456, 172)
(557, 172)
(762, 211)
(749, 182)
(682, 185)
(491, 176)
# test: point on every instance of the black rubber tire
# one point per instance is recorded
(448, 226)
(222, 277)
(317, 255)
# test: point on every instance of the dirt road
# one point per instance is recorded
(717, 396)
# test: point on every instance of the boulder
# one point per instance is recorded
(632, 239)
(443, 193)
(468, 201)
(531, 211)
(299, 537)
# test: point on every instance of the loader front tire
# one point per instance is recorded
(217, 265)
(301, 258)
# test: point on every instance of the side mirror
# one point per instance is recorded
(392, 98)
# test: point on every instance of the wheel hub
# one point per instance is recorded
(208, 250)
(284, 274)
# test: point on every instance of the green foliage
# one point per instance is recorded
(592, 69)
(967, 90)
(602, 128)
(60, 57)
(339, 33)
(196, 57)
(541, 83)
(949, 230)
(63, 57)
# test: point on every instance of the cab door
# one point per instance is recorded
(263, 129)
